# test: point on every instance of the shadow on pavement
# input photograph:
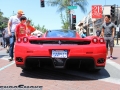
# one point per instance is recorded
(2, 56)
(58, 74)
(115, 58)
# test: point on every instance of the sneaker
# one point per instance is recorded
(10, 58)
(111, 57)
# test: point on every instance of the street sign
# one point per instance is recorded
(72, 7)
(97, 11)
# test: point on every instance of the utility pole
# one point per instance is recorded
(117, 25)
(70, 15)
(71, 7)
(69, 18)
(13, 13)
(105, 2)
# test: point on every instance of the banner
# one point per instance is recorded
(97, 11)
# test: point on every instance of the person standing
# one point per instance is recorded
(6, 36)
(29, 28)
(21, 28)
(98, 32)
(13, 21)
(108, 31)
(4, 41)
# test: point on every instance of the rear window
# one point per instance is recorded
(61, 33)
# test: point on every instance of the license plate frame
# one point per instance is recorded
(59, 53)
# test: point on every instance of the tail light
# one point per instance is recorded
(95, 40)
(101, 40)
(25, 39)
(19, 40)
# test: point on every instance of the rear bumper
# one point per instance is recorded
(43, 53)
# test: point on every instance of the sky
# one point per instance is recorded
(48, 15)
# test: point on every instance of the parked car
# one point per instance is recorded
(60, 49)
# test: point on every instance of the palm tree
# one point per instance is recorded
(1, 13)
(64, 20)
(62, 5)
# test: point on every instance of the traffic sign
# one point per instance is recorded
(72, 7)
(96, 11)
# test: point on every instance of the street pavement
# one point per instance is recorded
(50, 79)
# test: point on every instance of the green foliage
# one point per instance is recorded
(3, 21)
(38, 27)
(65, 22)
(62, 4)
(41, 28)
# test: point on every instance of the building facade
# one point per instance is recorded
(91, 24)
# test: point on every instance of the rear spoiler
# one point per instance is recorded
(68, 39)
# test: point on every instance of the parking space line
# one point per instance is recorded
(7, 66)
(114, 64)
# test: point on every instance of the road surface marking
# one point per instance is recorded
(7, 66)
(4, 58)
(82, 74)
(114, 64)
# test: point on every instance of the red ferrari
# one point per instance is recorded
(60, 49)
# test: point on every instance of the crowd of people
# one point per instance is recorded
(18, 26)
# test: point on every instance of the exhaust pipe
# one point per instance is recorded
(100, 60)
(59, 62)
(19, 59)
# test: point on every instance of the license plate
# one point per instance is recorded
(59, 53)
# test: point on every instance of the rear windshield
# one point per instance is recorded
(61, 33)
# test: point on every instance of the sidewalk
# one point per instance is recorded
(115, 42)
(1, 47)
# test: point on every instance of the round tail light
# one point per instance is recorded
(25, 39)
(101, 40)
(95, 40)
(19, 40)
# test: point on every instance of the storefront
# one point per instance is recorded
(98, 23)
(90, 25)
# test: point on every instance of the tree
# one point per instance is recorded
(62, 5)
(38, 27)
(42, 29)
(65, 21)
(3, 21)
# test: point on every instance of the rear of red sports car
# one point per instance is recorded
(60, 49)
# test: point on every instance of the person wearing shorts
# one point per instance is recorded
(108, 31)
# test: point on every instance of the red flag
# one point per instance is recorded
(97, 11)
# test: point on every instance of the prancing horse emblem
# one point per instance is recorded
(59, 42)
